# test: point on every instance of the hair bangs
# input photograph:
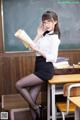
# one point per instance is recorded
(46, 17)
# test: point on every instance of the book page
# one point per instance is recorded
(23, 36)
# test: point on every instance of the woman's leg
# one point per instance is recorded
(29, 81)
(34, 92)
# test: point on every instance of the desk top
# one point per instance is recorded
(75, 100)
(69, 78)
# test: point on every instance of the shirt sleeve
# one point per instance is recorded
(52, 51)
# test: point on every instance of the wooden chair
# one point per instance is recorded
(67, 107)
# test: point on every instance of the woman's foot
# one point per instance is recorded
(37, 111)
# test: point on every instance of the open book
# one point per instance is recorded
(23, 36)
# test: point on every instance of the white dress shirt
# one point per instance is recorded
(49, 44)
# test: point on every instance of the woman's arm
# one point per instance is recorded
(35, 49)
(40, 32)
(51, 52)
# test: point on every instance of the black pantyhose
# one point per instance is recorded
(34, 94)
(30, 96)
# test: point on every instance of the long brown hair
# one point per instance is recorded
(50, 15)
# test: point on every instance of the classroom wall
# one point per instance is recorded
(14, 66)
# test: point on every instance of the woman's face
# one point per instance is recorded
(49, 25)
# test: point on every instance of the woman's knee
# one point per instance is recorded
(18, 85)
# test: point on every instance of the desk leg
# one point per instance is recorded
(48, 103)
(53, 102)
(77, 113)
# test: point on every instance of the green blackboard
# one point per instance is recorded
(26, 14)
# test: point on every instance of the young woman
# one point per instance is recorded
(46, 47)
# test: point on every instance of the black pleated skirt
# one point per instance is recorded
(43, 69)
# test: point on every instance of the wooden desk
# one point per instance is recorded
(57, 79)
(76, 101)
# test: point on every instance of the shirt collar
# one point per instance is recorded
(51, 33)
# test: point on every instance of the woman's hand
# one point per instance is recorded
(34, 48)
(40, 32)
(40, 29)
(21, 35)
